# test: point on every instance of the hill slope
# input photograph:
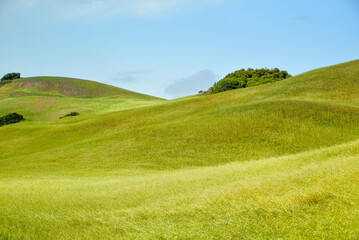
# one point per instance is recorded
(274, 161)
(59, 86)
(48, 98)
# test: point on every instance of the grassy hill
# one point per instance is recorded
(274, 161)
(48, 98)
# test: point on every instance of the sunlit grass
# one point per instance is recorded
(309, 195)
(279, 161)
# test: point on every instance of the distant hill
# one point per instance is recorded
(293, 115)
(48, 98)
(61, 86)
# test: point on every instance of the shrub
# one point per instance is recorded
(72, 114)
(247, 78)
(10, 119)
(8, 78)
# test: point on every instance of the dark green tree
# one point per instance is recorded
(8, 78)
(10, 119)
(247, 78)
(72, 114)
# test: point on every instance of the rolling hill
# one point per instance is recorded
(48, 98)
(276, 161)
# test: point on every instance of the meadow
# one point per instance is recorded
(276, 161)
(49, 98)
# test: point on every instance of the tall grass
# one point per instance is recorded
(278, 161)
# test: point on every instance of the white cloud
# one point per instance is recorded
(108, 7)
(201, 80)
(128, 76)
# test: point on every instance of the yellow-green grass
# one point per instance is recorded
(60, 86)
(312, 195)
(278, 161)
(49, 98)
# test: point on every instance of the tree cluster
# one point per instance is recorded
(8, 78)
(10, 119)
(247, 78)
(72, 114)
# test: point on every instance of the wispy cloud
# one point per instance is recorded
(127, 7)
(201, 80)
(128, 76)
(297, 20)
(302, 18)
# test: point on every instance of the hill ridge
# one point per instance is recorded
(49, 98)
(66, 86)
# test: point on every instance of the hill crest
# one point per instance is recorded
(64, 86)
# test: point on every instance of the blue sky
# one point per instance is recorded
(173, 48)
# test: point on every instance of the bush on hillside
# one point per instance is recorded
(8, 78)
(72, 114)
(247, 78)
(10, 119)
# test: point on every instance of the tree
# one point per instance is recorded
(10, 119)
(247, 78)
(8, 78)
(72, 114)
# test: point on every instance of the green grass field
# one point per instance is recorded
(277, 161)
(48, 98)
